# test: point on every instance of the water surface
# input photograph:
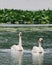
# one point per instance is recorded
(9, 37)
(8, 57)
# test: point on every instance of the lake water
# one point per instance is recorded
(9, 37)
(8, 57)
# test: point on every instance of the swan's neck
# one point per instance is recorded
(39, 44)
(20, 41)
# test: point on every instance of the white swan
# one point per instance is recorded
(38, 49)
(19, 46)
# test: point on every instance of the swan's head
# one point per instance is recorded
(40, 40)
(20, 33)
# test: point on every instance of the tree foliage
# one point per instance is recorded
(25, 17)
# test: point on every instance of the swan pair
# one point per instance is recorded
(35, 48)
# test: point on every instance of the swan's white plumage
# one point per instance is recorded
(38, 49)
(19, 46)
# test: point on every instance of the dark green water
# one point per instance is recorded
(9, 37)
(29, 38)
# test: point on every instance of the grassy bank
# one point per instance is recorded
(25, 29)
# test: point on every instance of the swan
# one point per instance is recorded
(19, 46)
(38, 49)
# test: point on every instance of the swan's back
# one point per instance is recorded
(14, 47)
(17, 47)
(37, 49)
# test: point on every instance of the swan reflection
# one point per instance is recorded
(37, 58)
(16, 57)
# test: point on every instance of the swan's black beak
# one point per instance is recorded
(41, 41)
